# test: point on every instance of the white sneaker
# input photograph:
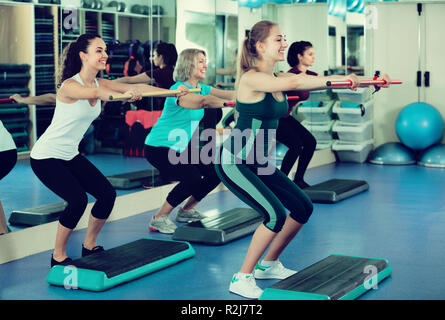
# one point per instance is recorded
(188, 216)
(244, 285)
(162, 224)
(275, 271)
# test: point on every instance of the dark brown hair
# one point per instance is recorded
(71, 63)
(295, 49)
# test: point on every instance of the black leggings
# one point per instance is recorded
(195, 180)
(8, 159)
(71, 180)
(301, 143)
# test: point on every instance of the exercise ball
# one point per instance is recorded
(433, 157)
(393, 153)
(250, 3)
(280, 151)
(419, 125)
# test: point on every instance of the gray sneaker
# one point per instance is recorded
(188, 216)
(162, 224)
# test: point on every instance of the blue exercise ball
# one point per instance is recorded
(419, 125)
(280, 151)
(250, 3)
(393, 153)
(433, 157)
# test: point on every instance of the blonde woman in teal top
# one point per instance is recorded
(173, 144)
(175, 120)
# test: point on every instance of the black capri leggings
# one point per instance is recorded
(301, 143)
(8, 159)
(71, 180)
(195, 180)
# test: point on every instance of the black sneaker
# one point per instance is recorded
(87, 252)
(65, 262)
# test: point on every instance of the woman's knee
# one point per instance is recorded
(109, 194)
(104, 204)
(214, 181)
(303, 214)
(74, 210)
(276, 221)
(183, 190)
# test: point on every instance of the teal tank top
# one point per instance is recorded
(175, 128)
(255, 128)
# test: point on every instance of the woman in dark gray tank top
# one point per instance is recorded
(242, 161)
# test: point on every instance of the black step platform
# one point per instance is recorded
(335, 190)
(337, 277)
(37, 215)
(221, 228)
(132, 180)
(109, 268)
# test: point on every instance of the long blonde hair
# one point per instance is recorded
(186, 64)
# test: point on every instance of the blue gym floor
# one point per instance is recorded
(400, 218)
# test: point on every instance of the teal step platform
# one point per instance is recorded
(104, 270)
(337, 277)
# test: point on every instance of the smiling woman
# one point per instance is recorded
(180, 119)
(260, 104)
(55, 158)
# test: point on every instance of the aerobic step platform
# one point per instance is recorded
(221, 228)
(132, 180)
(335, 190)
(109, 268)
(337, 277)
(37, 215)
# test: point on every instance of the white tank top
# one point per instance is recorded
(70, 122)
(6, 141)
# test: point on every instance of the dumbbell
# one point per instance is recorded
(146, 10)
(99, 4)
(158, 10)
(140, 9)
(88, 4)
(136, 9)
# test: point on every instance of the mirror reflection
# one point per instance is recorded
(337, 44)
(355, 48)
(144, 40)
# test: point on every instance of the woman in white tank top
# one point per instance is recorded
(55, 158)
(8, 152)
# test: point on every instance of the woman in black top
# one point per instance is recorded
(164, 58)
(300, 141)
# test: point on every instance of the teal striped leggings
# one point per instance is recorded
(269, 194)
